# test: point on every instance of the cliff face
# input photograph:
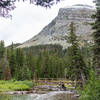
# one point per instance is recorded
(55, 32)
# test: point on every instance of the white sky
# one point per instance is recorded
(28, 20)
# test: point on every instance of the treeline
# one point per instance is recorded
(46, 61)
(43, 62)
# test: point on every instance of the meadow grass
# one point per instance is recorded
(15, 85)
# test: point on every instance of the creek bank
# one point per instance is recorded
(46, 92)
(53, 95)
(42, 89)
(24, 92)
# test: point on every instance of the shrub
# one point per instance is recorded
(91, 91)
(15, 85)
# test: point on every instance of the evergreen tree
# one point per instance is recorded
(25, 73)
(1, 69)
(19, 58)
(91, 91)
(30, 63)
(55, 66)
(46, 66)
(38, 65)
(77, 67)
(2, 49)
(12, 61)
(96, 35)
(19, 64)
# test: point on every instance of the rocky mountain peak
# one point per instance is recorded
(81, 6)
(55, 31)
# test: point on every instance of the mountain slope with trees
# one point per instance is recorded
(44, 61)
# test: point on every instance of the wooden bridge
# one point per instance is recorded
(54, 81)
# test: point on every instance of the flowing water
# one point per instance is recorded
(49, 96)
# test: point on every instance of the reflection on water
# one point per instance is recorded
(61, 95)
(49, 96)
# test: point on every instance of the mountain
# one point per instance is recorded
(55, 32)
(14, 45)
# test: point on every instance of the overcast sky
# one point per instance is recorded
(28, 20)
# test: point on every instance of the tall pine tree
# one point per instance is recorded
(96, 35)
(2, 51)
(77, 66)
(12, 60)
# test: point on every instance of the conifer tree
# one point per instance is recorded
(25, 73)
(30, 63)
(19, 58)
(46, 66)
(19, 64)
(1, 69)
(12, 60)
(96, 35)
(38, 65)
(2, 49)
(77, 65)
(91, 90)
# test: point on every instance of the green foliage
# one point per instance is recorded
(96, 36)
(12, 60)
(76, 67)
(2, 52)
(25, 75)
(15, 85)
(49, 61)
(91, 90)
(2, 49)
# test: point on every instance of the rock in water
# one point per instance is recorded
(55, 32)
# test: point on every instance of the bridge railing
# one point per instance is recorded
(54, 81)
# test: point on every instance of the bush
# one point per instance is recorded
(15, 85)
(91, 91)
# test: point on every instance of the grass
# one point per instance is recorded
(6, 86)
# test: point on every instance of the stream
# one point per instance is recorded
(59, 95)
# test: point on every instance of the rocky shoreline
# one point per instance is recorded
(39, 90)
(45, 90)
